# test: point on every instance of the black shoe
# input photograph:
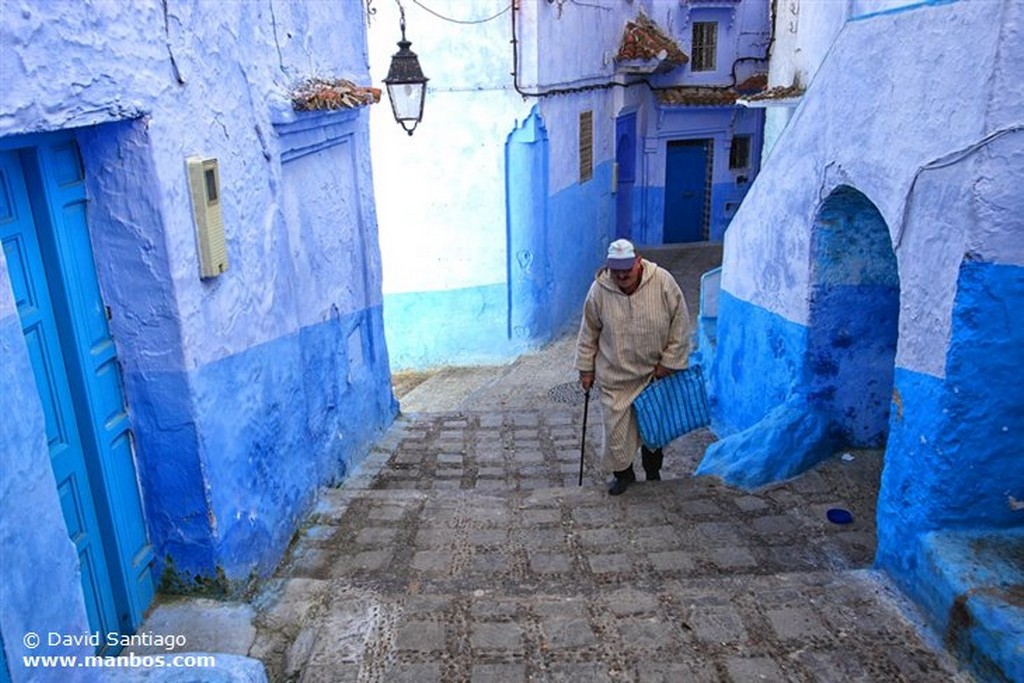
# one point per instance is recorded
(623, 478)
(617, 486)
(651, 461)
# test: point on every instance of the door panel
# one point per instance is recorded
(686, 184)
(97, 382)
(35, 309)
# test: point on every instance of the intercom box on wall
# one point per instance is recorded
(204, 181)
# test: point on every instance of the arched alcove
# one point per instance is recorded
(854, 316)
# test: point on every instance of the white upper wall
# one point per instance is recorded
(441, 192)
(804, 33)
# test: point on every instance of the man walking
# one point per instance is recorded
(635, 328)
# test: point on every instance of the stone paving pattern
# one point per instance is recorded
(466, 551)
(463, 550)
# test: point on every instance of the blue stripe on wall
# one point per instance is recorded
(582, 223)
(953, 457)
(469, 326)
(464, 326)
(274, 422)
(758, 363)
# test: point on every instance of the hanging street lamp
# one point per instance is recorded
(407, 86)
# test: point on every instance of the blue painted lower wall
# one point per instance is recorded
(232, 453)
(470, 326)
(757, 364)
(950, 510)
(582, 220)
(650, 220)
(851, 355)
(466, 326)
(954, 453)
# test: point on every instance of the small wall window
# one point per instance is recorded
(739, 152)
(704, 46)
(586, 146)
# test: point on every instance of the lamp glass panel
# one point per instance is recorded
(406, 100)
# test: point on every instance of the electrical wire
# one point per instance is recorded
(578, 3)
(557, 90)
(462, 21)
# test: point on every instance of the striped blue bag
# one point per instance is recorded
(671, 407)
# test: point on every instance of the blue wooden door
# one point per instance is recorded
(32, 296)
(78, 378)
(625, 160)
(686, 185)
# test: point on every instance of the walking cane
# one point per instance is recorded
(583, 438)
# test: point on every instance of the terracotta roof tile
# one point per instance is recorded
(643, 40)
(691, 96)
(754, 84)
(783, 92)
(704, 96)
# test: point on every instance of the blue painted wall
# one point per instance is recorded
(954, 451)
(40, 589)
(939, 172)
(529, 263)
(582, 224)
(246, 392)
(756, 365)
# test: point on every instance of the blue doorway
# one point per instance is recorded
(74, 364)
(687, 185)
(625, 164)
(853, 327)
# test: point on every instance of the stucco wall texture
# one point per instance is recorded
(246, 391)
(937, 153)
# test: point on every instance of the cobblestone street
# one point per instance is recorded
(465, 550)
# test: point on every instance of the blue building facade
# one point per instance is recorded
(866, 295)
(186, 359)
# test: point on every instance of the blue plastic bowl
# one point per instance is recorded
(839, 516)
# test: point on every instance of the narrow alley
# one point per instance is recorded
(464, 550)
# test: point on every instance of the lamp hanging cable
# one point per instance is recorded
(462, 21)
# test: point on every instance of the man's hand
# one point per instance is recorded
(586, 380)
(661, 372)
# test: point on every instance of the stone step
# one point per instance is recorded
(975, 596)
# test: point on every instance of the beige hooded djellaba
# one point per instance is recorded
(621, 338)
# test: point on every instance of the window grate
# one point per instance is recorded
(586, 146)
(705, 46)
(709, 176)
